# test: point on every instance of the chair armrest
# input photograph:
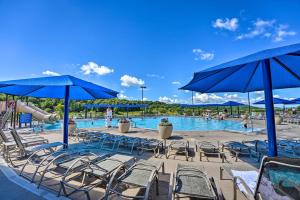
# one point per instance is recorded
(249, 194)
(171, 186)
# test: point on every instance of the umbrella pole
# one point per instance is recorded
(249, 110)
(66, 114)
(271, 129)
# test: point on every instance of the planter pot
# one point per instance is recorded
(278, 120)
(124, 127)
(165, 131)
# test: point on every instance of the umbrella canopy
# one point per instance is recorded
(199, 105)
(115, 106)
(296, 101)
(62, 87)
(232, 103)
(277, 101)
(246, 74)
(54, 87)
(276, 68)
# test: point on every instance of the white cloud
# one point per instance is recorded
(207, 98)
(175, 95)
(128, 81)
(282, 32)
(170, 100)
(145, 99)
(92, 67)
(259, 28)
(155, 76)
(176, 83)
(122, 96)
(203, 55)
(50, 73)
(228, 24)
(267, 29)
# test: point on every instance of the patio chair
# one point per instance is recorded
(278, 178)
(27, 140)
(140, 175)
(110, 143)
(238, 149)
(101, 171)
(24, 151)
(178, 147)
(128, 144)
(207, 148)
(150, 145)
(192, 181)
(66, 163)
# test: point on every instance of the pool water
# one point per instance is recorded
(179, 124)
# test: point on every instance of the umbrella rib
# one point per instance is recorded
(32, 91)
(286, 68)
(90, 93)
(193, 82)
(248, 82)
(226, 76)
(293, 54)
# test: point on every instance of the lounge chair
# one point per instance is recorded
(24, 151)
(238, 149)
(101, 171)
(178, 147)
(27, 140)
(140, 175)
(150, 145)
(192, 181)
(110, 142)
(207, 148)
(278, 178)
(128, 144)
(66, 163)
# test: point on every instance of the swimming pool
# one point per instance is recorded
(179, 124)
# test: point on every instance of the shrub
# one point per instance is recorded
(165, 122)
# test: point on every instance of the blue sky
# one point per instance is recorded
(124, 44)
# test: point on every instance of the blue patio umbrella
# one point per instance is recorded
(231, 104)
(276, 68)
(61, 87)
(277, 101)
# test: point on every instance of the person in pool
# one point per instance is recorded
(245, 123)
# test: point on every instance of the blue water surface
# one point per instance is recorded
(179, 124)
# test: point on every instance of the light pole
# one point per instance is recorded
(143, 87)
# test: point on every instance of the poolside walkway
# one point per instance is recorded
(11, 191)
(13, 187)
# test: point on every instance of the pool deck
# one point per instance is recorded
(212, 166)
